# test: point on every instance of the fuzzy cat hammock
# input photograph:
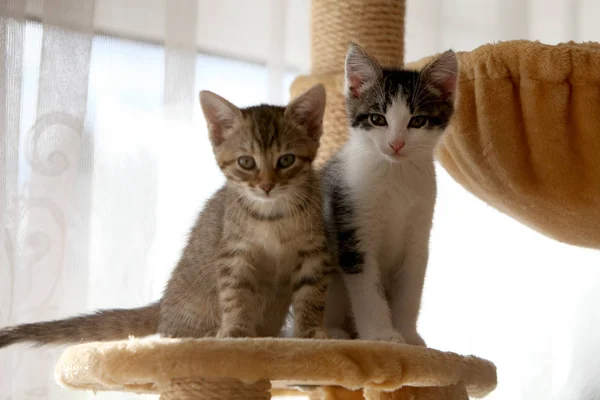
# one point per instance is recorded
(525, 139)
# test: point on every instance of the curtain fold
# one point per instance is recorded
(12, 14)
(180, 59)
(79, 179)
(42, 159)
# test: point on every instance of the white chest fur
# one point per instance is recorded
(392, 202)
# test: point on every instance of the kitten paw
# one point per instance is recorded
(234, 333)
(338, 333)
(320, 334)
(415, 339)
(316, 333)
(386, 336)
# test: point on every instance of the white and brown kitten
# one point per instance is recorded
(380, 193)
(257, 247)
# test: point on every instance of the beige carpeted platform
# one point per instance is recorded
(211, 368)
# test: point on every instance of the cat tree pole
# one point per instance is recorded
(202, 369)
(377, 25)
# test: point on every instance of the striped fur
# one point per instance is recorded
(251, 253)
(102, 325)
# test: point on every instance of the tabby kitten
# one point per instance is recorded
(380, 194)
(258, 246)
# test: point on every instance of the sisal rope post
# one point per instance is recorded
(215, 389)
(377, 25)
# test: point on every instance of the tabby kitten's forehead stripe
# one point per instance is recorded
(265, 127)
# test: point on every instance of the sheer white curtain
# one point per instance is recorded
(104, 163)
(104, 155)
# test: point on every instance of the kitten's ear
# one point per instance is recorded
(308, 109)
(361, 70)
(221, 116)
(443, 73)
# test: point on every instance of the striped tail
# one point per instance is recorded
(101, 326)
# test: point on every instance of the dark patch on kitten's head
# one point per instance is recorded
(265, 134)
(372, 89)
(399, 112)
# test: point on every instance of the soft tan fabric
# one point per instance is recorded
(526, 135)
(146, 365)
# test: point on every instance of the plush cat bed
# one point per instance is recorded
(526, 136)
(250, 368)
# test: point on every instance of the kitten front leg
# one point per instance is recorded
(370, 307)
(309, 284)
(237, 296)
(337, 307)
(408, 290)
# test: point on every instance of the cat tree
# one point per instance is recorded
(524, 139)
(256, 368)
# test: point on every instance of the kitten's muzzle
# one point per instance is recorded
(397, 145)
(266, 187)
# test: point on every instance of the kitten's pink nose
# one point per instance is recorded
(266, 187)
(397, 145)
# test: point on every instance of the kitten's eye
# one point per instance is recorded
(377, 120)
(246, 162)
(417, 122)
(286, 161)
